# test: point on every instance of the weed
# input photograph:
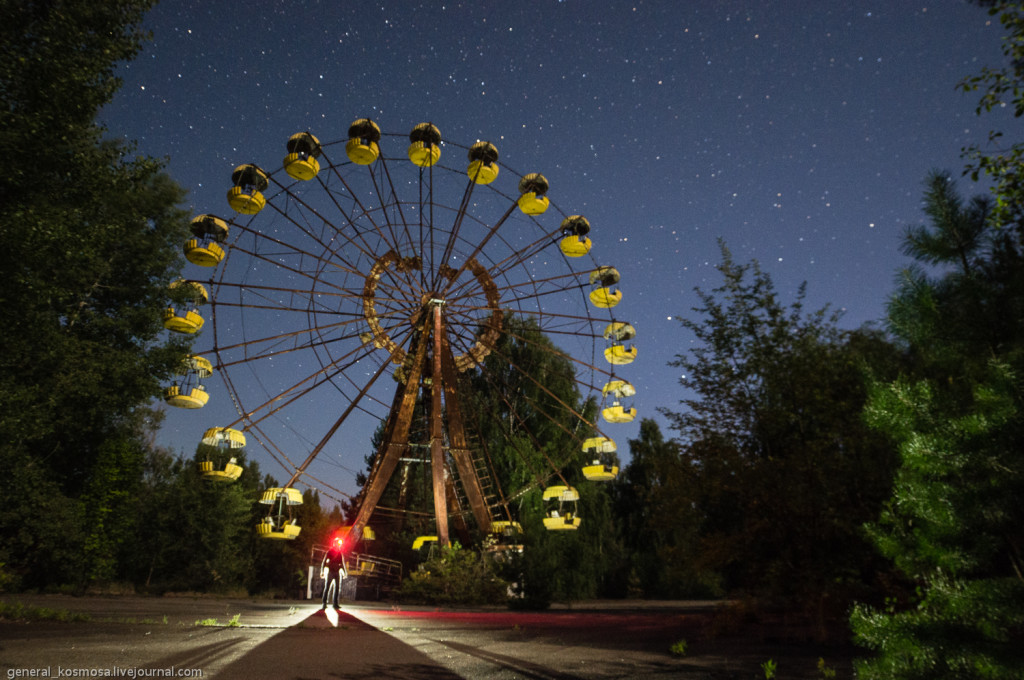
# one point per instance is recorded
(22, 612)
(206, 622)
(769, 668)
(825, 671)
(234, 622)
(679, 648)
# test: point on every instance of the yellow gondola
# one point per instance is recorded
(574, 241)
(421, 541)
(246, 195)
(185, 318)
(532, 188)
(506, 528)
(560, 502)
(363, 146)
(506, 536)
(483, 163)
(617, 353)
(603, 295)
(223, 439)
(616, 412)
(345, 531)
(601, 452)
(425, 149)
(205, 249)
(301, 162)
(279, 523)
(187, 391)
(620, 355)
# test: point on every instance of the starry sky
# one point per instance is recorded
(799, 131)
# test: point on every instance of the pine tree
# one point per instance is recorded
(955, 523)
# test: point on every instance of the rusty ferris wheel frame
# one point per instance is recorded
(405, 266)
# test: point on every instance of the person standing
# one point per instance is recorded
(332, 570)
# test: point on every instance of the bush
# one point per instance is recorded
(454, 575)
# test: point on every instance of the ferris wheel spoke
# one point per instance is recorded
(337, 424)
(269, 259)
(273, 351)
(265, 353)
(568, 357)
(524, 255)
(480, 246)
(460, 216)
(336, 263)
(293, 392)
(303, 227)
(499, 388)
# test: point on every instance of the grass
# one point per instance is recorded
(234, 622)
(16, 611)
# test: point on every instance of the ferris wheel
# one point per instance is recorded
(373, 279)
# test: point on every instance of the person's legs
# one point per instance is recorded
(327, 587)
(337, 589)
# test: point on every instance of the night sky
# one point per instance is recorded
(800, 132)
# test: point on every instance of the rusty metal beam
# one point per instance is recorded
(459, 444)
(396, 437)
(437, 466)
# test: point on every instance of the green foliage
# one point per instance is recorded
(679, 648)
(526, 406)
(1000, 162)
(772, 426)
(91, 239)
(768, 668)
(954, 523)
(193, 535)
(660, 535)
(17, 611)
(456, 576)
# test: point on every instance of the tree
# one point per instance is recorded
(954, 522)
(775, 457)
(530, 418)
(90, 241)
(999, 87)
(659, 528)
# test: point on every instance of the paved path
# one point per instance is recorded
(256, 639)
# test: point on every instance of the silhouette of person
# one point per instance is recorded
(332, 570)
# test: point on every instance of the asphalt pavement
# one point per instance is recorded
(128, 636)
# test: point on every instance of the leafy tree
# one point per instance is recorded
(193, 535)
(776, 459)
(89, 243)
(659, 529)
(954, 523)
(526, 407)
(530, 418)
(999, 87)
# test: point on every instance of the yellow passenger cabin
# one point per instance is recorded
(363, 145)
(206, 248)
(532, 188)
(246, 196)
(301, 162)
(425, 146)
(575, 242)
